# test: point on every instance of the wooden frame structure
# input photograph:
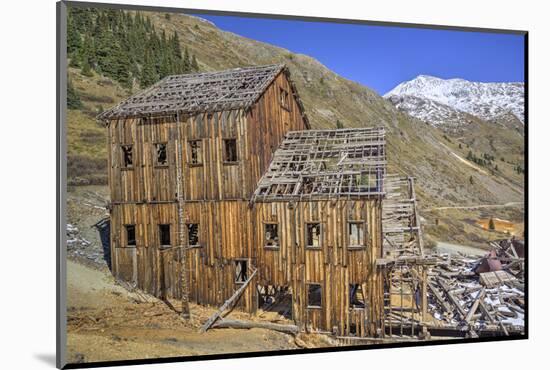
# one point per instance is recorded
(281, 173)
(402, 228)
(326, 164)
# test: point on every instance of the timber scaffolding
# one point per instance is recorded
(447, 296)
(400, 218)
(325, 164)
(444, 295)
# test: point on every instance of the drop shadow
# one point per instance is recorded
(47, 358)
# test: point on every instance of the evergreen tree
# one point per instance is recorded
(87, 54)
(186, 61)
(73, 100)
(148, 72)
(86, 69)
(491, 224)
(194, 64)
(175, 45)
(339, 124)
(124, 47)
(73, 37)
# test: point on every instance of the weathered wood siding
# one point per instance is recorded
(224, 236)
(212, 179)
(258, 132)
(216, 197)
(333, 265)
(230, 230)
(268, 121)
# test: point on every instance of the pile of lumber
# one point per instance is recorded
(459, 297)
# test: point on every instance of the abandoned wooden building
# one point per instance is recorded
(218, 183)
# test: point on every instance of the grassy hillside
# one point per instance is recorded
(443, 175)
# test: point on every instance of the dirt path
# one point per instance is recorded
(450, 248)
(478, 206)
(466, 162)
(106, 323)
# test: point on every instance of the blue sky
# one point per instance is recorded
(381, 57)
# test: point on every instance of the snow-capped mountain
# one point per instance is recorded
(427, 110)
(444, 102)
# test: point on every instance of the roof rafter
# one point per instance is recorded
(325, 164)
(202, 92)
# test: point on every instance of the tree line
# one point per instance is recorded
(125, 47)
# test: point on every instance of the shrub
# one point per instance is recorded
(84, 166)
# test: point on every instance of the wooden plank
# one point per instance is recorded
(227, 304)
(238, 324)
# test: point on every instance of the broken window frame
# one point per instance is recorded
(127, 229)
(278, 240)
(309, 292)
(362, 234)
(243, 275)
(197, 162)
(227, 159)
(124, 150)
(162, 232)
(156, 154)
(307, 228)
(284, 98)
(353, 297)
(187, 226)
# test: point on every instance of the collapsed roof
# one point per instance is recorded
(202, 92)
(326, 164)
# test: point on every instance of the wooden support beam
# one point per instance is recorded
(228, 304)
(453, 299)
(238, 324)
(473, 308)
(185, 310)
(439, 297)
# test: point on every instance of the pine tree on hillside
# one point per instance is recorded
(339, 124)
(87, 53)
(73, 37)
(86, 69)
(73, 100)
(124, 47)
(186, 61)
(194, 64)
(491, 224)
(148, 72)
(120, 66)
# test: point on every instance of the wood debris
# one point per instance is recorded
(490, 300)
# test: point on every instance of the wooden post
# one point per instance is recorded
(185, 310)
(416, 216)
(424, 293)
(218, 314)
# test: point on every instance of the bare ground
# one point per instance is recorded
(106, 323)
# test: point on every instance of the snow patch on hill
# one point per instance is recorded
(437, 100)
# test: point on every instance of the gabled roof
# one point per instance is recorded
(326, 164)
(201, 92)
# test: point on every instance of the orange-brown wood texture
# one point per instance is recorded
(217, 195)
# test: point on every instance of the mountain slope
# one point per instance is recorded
(480, 116)
(444, 176)
(481, 99)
